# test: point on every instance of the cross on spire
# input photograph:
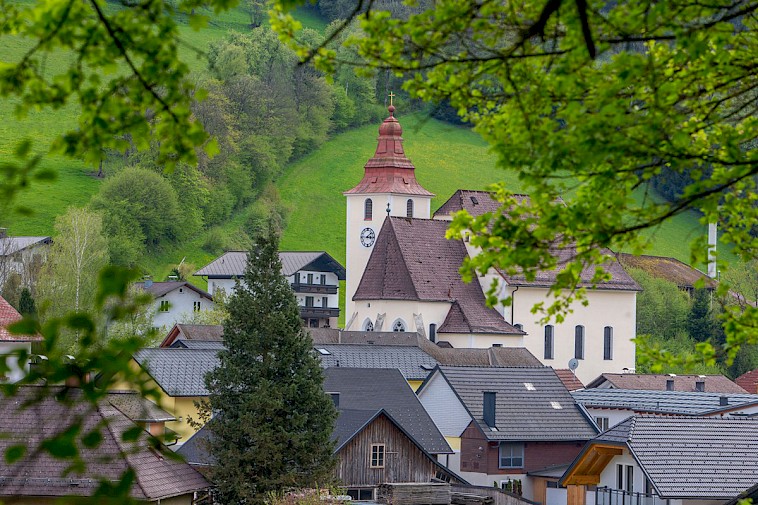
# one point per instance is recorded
(391, 95)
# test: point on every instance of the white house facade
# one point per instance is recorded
(175, 301)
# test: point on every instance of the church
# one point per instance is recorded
(402, 275)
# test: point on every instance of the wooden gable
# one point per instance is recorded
(587, 469)
(404, 460)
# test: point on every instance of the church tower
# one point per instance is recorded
(388, 188)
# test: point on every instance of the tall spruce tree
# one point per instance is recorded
(272, 420)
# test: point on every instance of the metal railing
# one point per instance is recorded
(607, 496)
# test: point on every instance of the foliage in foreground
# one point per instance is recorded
(587, 102)
(271, 420)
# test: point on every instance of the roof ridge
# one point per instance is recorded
(118, 441)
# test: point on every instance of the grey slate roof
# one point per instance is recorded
(136, 408)
(475, 202)
(713, 383)
(412, 260)
(157, 476)
(672, 402)
(375, 389)
(12, 245)
(197, 344)
(521, 414)
(232, 264)
(412, 362)
(179, 372)
(158, 289)
(694, 457)
(195, 450)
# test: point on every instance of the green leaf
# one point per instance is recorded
(14, 453)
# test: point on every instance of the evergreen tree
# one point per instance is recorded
(26, 304)
(699, 319)
(272, 420)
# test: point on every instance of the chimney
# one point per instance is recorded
(723, 401)
(489, 408)
(3, 232)
(669, 384)
(700, 386)
(712, 239)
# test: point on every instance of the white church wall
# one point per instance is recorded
(431, 313)
(616, 309)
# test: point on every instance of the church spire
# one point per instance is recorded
(389, 170)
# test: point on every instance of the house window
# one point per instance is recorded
(164, 306)
(361, 494)
(602, 423)
(579, 342)
(409, 208)
(325, 302)
(398, 325)
(309, 301)
(511, 455)
(323, 279)
(377, 455)
(368, 325)
(195, 306)
(625, 478)
(607, 343)
(549, 341)
(310, 278)
(368, 209)
(433, 333)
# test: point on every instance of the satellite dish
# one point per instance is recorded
(573, 364)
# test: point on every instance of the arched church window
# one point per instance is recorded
(398, 325)
(368, 209)
(368, 325)
(409, 208)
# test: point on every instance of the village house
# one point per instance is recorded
(189, 335)
(175, 301)
(11, 343)
(22, 256)
(402, 275)
(657, 460)
(504, 424)
(669, 269)
(748, 381)
(382, 434)
(40, 478)
(609, 407)
(314, 277)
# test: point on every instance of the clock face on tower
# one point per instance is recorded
(367, 237)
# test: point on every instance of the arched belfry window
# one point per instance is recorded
(368, 209)
(409, 208)
(368, 325)
(398, 325)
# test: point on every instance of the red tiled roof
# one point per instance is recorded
(412, 260)
(670, 269)
(748, 381)
(475, 202)
(8, 316)
(657, 382)
(389, 171)
(568, 379)
(620, 280)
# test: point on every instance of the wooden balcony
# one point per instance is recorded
(319, 289)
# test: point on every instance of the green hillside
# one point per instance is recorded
(446, 158)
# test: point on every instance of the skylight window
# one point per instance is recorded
(529, 386)
(556, 405)
(323, 351)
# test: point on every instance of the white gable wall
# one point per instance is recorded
(181, 305)
(431, 312)
(444, 407)
(15, 373)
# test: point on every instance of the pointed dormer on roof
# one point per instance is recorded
(389, 170)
